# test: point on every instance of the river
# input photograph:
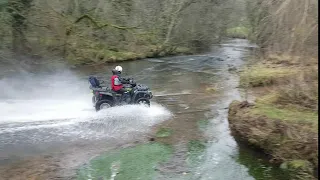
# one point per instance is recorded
(48, 127)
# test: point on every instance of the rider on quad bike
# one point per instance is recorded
(123, 91)
(117, 82)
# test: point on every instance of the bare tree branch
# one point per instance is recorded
(100, 26)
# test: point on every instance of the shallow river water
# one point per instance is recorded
(48, 127)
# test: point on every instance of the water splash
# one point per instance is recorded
(58, 107)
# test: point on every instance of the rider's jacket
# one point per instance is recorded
(117, 82)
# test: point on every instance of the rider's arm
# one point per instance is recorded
(117, 81)
(124, 80)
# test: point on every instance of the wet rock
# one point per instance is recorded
(211, 89)
(220, 59)
(298, 169)
(297, 165)
(232, 69)
(216, 58)
(245, 104)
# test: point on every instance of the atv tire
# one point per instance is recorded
(143, 101)
(103, 104)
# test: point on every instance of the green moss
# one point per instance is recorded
(195, 150)
(164, 132)
(298, 169)
(299, 164)
(267, 105)
(287, 114)
(262, 76)
(132, 163)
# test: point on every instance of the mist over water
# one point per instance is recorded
(40, 97)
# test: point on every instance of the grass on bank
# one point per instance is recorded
(238, 32)
(293, 85)
(269, 106)
(131, 163)
(260, 75)
(293, 114)
(289, 94)
(294, 94)
(279, 69)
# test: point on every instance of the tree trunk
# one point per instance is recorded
(173, 21)
(18, 10)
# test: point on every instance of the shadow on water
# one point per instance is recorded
(258, 165)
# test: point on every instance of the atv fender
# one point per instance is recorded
(141, 94)
(107, 96)
(106, 93)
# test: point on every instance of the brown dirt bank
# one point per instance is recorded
(284, 141)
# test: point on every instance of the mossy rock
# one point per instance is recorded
(211, 89)
(298, 169)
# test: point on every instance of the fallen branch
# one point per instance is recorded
(100, 26)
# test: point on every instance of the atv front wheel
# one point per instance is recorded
(103, 104)
(143, 101)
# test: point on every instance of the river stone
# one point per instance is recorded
(232, 69)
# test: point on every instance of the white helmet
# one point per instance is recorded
(118, 68)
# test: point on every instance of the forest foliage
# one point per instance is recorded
(96, 31)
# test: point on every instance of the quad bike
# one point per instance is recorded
(105, 97)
